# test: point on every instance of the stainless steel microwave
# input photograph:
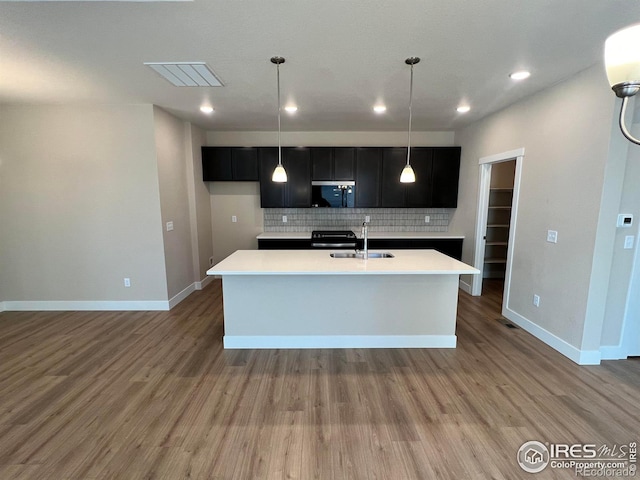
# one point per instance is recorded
(333, 194)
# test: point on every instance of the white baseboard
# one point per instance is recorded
(71, 306)
(339, 341)
(465, 287)
(581, 357)
(204, 282)
(176, 299)
(613, 352)
(2, 307)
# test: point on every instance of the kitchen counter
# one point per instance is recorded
(319, 262)
(307, 299)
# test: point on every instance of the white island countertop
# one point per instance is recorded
(319, 262)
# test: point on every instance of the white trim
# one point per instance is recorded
(484, 184)
(339, 341)
(613, 352)
(502, 157)
(465, 287)
(581, 357)
(2, 307)
(204, 282)
(177, 298)
(64, 305)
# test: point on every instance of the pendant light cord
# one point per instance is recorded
(279, 142)
(410, 103)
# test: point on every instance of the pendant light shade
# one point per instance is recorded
(408, 175)
(622, 61)
(279, 173)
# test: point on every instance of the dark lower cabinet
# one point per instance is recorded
(448, 246)
(284, 244)
(368, 175)
(296, 192)
(223, 164)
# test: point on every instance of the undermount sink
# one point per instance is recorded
(361, 255)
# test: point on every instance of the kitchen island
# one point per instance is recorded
(307, 299)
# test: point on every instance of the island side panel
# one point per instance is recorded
(325, 311)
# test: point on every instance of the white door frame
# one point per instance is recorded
(484, 184)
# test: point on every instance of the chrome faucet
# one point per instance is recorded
(365, 238)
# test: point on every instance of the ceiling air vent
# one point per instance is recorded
(186, 74)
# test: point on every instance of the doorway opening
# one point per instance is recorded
(498, 192)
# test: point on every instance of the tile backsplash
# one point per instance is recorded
(382, 219)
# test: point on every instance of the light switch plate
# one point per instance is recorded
(284, 219)
(234, 219)
(427, 219)
(169, 226)
(552, 236)
(628, 241)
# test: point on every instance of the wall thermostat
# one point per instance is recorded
(625, 220)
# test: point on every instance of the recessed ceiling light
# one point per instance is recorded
(379, 109)
(291, 108)
(463, 108)
(521, 75)
(206, 109)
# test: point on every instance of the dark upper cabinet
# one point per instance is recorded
(296, 192)
(396, 194)
(333, 163)
(229, 164)
(368, 173)
(393, 193)
(344, 163)
(297, 163)
(420, 193)
(321, 163)
(216, 164)
(271, 193)
(446, 173)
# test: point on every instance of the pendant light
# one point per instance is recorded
(279, 173)
(407, 175)
(622, 60)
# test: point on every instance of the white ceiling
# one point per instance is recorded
(342, 56)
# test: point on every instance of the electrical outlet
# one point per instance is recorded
(127, 282)
(427, 219)
(536, 300)
(552, 236)
(234, 219)
(284, 219)
(169, 226)
(367, 218)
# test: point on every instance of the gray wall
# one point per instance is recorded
(79, 204)
(565, 131)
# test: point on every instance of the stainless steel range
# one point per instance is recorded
(333, 239)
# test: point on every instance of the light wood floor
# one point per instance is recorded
(128, 395)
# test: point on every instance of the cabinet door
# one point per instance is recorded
(344, 161)
(244, 163)
(393, 192)
(216, 164)
(368, 169)
(321, 163)
(419, 194)
(297, 163)
(271, 193)
(446, 172)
